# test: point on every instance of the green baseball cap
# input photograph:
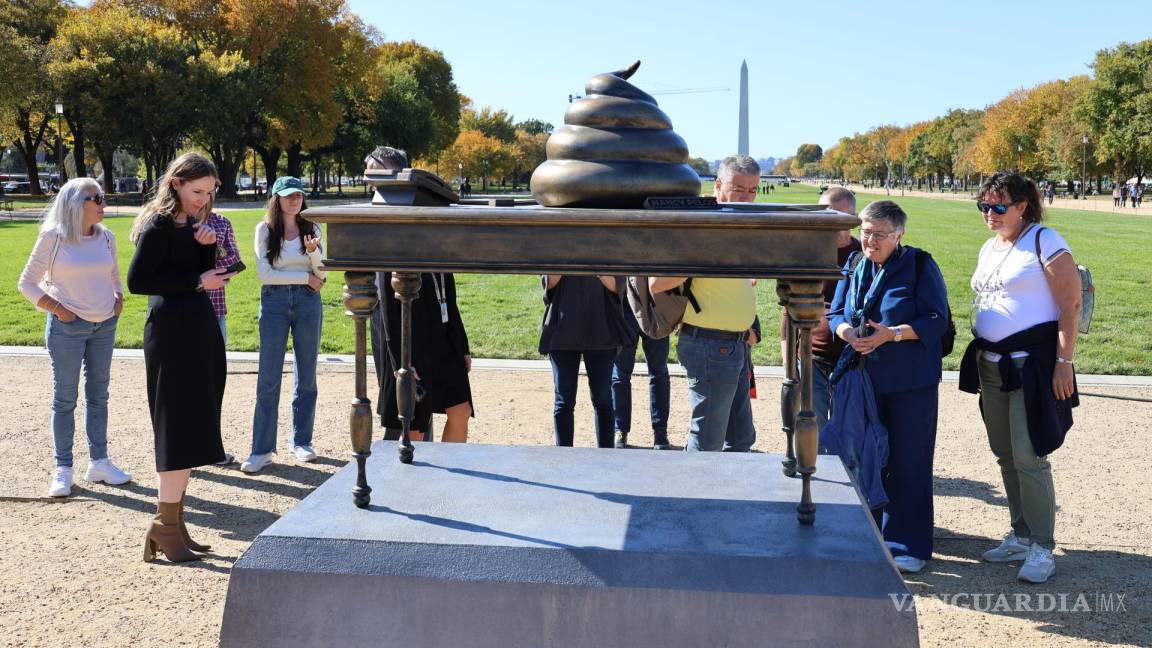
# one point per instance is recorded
(287, 185)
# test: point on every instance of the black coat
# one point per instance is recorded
(183, 349)
(580, 314)
(438, 350)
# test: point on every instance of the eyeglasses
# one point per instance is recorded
(874, 235)
(1000, 209)
(97, 198)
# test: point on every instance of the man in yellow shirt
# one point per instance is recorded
(713, 343)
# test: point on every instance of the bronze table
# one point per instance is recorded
(795, 245)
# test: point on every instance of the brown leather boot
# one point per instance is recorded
(188, 541)
(164, 534)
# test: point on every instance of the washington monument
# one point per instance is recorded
(742, 144)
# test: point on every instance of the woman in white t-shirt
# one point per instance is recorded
(1027, 302)
(72, 275)
(288, 258)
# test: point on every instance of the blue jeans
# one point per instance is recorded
(70, 346)
(718, 394)
(566, 374)
(297, 309)
(659, 386)
(223, 328)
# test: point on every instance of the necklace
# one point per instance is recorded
(991, 282)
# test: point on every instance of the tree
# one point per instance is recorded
(1118, 108)
(26, 29)
(535, 127)
(700, 166)
(496, 124)
(529, 152)
(783, 167)
(806, 153)
(433, 76)
(477, 154)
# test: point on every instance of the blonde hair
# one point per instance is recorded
(65, 214)
(165, 202)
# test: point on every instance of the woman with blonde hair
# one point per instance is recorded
(72, 275)
(288, 258)
(184, 358)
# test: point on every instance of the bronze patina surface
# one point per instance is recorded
(616, 149)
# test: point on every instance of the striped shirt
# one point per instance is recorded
(227, 253)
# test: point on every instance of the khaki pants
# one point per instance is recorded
(1027, 478)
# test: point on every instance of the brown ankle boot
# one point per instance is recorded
(188, 541)
(164, 534)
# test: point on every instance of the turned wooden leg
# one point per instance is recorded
(360, 298)
(805, 304)
(407, 288)
(788, 389)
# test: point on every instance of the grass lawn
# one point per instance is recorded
(503, 312)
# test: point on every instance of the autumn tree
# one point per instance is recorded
(477, 154)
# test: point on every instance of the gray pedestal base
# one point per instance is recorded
(508, 546)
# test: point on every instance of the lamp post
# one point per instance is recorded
(1019, 155)
(1084, 165)
(59, 143)
(255, 189)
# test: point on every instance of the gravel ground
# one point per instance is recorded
(71, 572)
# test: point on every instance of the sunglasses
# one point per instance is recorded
(98, 199)
(999, 210)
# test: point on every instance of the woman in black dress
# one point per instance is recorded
(174, 265)
(440, 358)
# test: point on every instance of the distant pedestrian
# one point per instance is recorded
(1124, 195)
(1115, 195)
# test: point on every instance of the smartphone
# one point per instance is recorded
(236, 267)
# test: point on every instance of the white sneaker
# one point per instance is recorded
(304, 453)
(909, 564)
(1038, 566)
(1012, 548)
(257, 462)
(228, 459)
(103, 470)
(61, 482)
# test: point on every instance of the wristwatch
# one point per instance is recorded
(898, 336)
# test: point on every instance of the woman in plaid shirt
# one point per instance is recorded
(227, 253)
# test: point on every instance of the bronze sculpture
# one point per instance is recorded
(616, 149)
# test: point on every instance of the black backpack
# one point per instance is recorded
(948, 341)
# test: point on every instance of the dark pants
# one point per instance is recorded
(907, 520)
(659, 386)
(566, 373)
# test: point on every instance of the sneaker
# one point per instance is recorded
(1012, 548)
(661, 445)
(621, 439)
(228, 458)
(61, 482)
(103, 470)
(304, 453)
(257, 462)
(909, 564)
(1038, 566)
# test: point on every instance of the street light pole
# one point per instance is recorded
(59, 143)
(1084, 166)
(255, 191)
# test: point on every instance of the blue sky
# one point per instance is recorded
(818, 70)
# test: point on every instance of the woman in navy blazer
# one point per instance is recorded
(893, 312)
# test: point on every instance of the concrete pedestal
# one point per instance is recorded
(509, 546)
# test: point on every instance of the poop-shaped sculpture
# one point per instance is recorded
(616, 149)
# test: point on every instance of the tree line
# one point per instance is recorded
(298, 82)
(1098, 127)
